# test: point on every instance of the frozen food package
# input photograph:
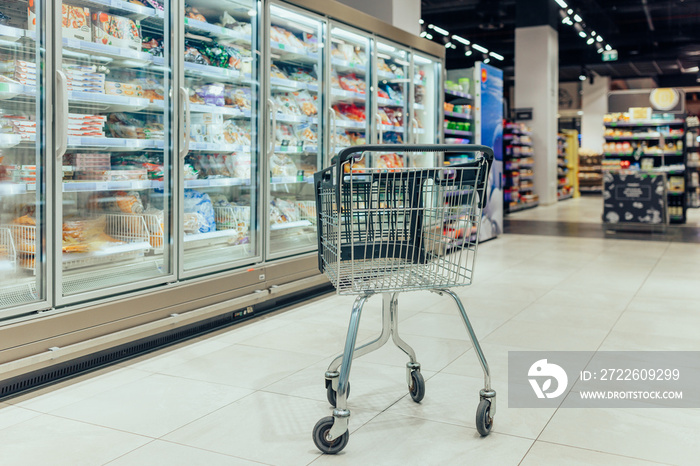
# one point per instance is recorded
(116, 30)
(306, 102)
(305, 132)
(200, 204)
(125, 89)
(129, 203)
(285, 135)
(342, 51)
(282, 165)
(192, 13)
(287, 105)
(285, 37)
(240, 164)
(390, 161)
(301, 74)
(76, 22)
(211, 94)
(276, 72)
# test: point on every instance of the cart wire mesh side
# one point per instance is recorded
(401, 229)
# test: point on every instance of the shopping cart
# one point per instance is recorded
(393, 230)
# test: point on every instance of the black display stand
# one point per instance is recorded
(635, 200)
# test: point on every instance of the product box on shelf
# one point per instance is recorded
(75, 19)
(130, 90)
(116, 30)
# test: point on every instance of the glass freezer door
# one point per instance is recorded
(114, 130)
(22, 156)
(349, 82)
(295, 138)
(426, 107)
(392, 97)
(219, 170)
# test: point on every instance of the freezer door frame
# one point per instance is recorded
(375, 84)
(112, 292)
(269, 137)
(439, 94)
(327, 89)
(178, 226)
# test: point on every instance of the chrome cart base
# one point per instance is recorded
(331, 433)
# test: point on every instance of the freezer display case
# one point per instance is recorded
(113, 137)
(22, 156)
(425, 103)
(391, 94)
(295, 138)
(349, 82)
(219, 170)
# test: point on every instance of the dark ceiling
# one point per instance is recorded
(658, 45)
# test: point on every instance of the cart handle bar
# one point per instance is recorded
(355, 151)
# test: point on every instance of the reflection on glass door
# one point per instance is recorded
(392, 102)
(295, 139)
(423, 125)
(113, 129)
(350, 106)
(22, 156)
(220, 200)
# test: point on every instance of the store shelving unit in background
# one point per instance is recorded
(518, 191)
(590, 172)
(653, 144)
(693, 162)
(567, 164)
(459, 121)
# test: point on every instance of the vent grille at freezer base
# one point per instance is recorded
(20, 294)
(133, 273)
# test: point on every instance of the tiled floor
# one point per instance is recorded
(251, 394)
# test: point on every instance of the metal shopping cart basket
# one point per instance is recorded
(392, 230)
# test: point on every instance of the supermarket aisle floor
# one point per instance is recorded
(586, 209)
(252, 394)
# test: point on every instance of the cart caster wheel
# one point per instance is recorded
(321, 429)
(417, 387)
(332, 394)
(484, 421)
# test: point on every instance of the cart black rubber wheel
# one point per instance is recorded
(321, 429)
(332, 394)
(484, 421)
(417, 387)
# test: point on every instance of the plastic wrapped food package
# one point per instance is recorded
(276, 72)
(234, 134)
(306, 102)
(352, 83)
(116, 30)
(129, 203)
(241, 97)
(282, 211)
(349, 112)
(201, 211)
(285, 135)
(193, 13)
(305, 132)
(343, 52)
(282, 165)
(285, 37)
(299, 73)
(389, 161)
(287, 105)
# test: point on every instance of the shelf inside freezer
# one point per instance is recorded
(121, 7)
(210, 235)
(341, 94)
(290, 84)
(9, 140)
(285, 226)
(214, 73)
(214, 147)
(350, 124)
(112, 253)
(291, 180)
(120, 144)
(108, 103)
(386, 75)
(10, 34)
(389, 103)
(345, 66)
(217, 32)
(12, 90)
(306, 148)
(296, 119)
(419, 106)
(293, 54)
(418, 131)
(108, 52)
(232, 111)
(12, 189)
(215, 182)
(93, 186)
(396, 129)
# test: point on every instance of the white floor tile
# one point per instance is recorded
(243, 366)
(159, 452)
(550, 454)
(654, 434)
(56, 441)
(265, 427)
(392, 439)
(158, 404)
(11, 415)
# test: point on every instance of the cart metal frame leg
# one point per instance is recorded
(338, 380)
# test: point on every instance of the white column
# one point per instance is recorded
(404, 14)
(537, 87)
(594, 105)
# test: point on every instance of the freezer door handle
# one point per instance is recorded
(185, 118)
(61, 114)
(380, 125)
(273, 127)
